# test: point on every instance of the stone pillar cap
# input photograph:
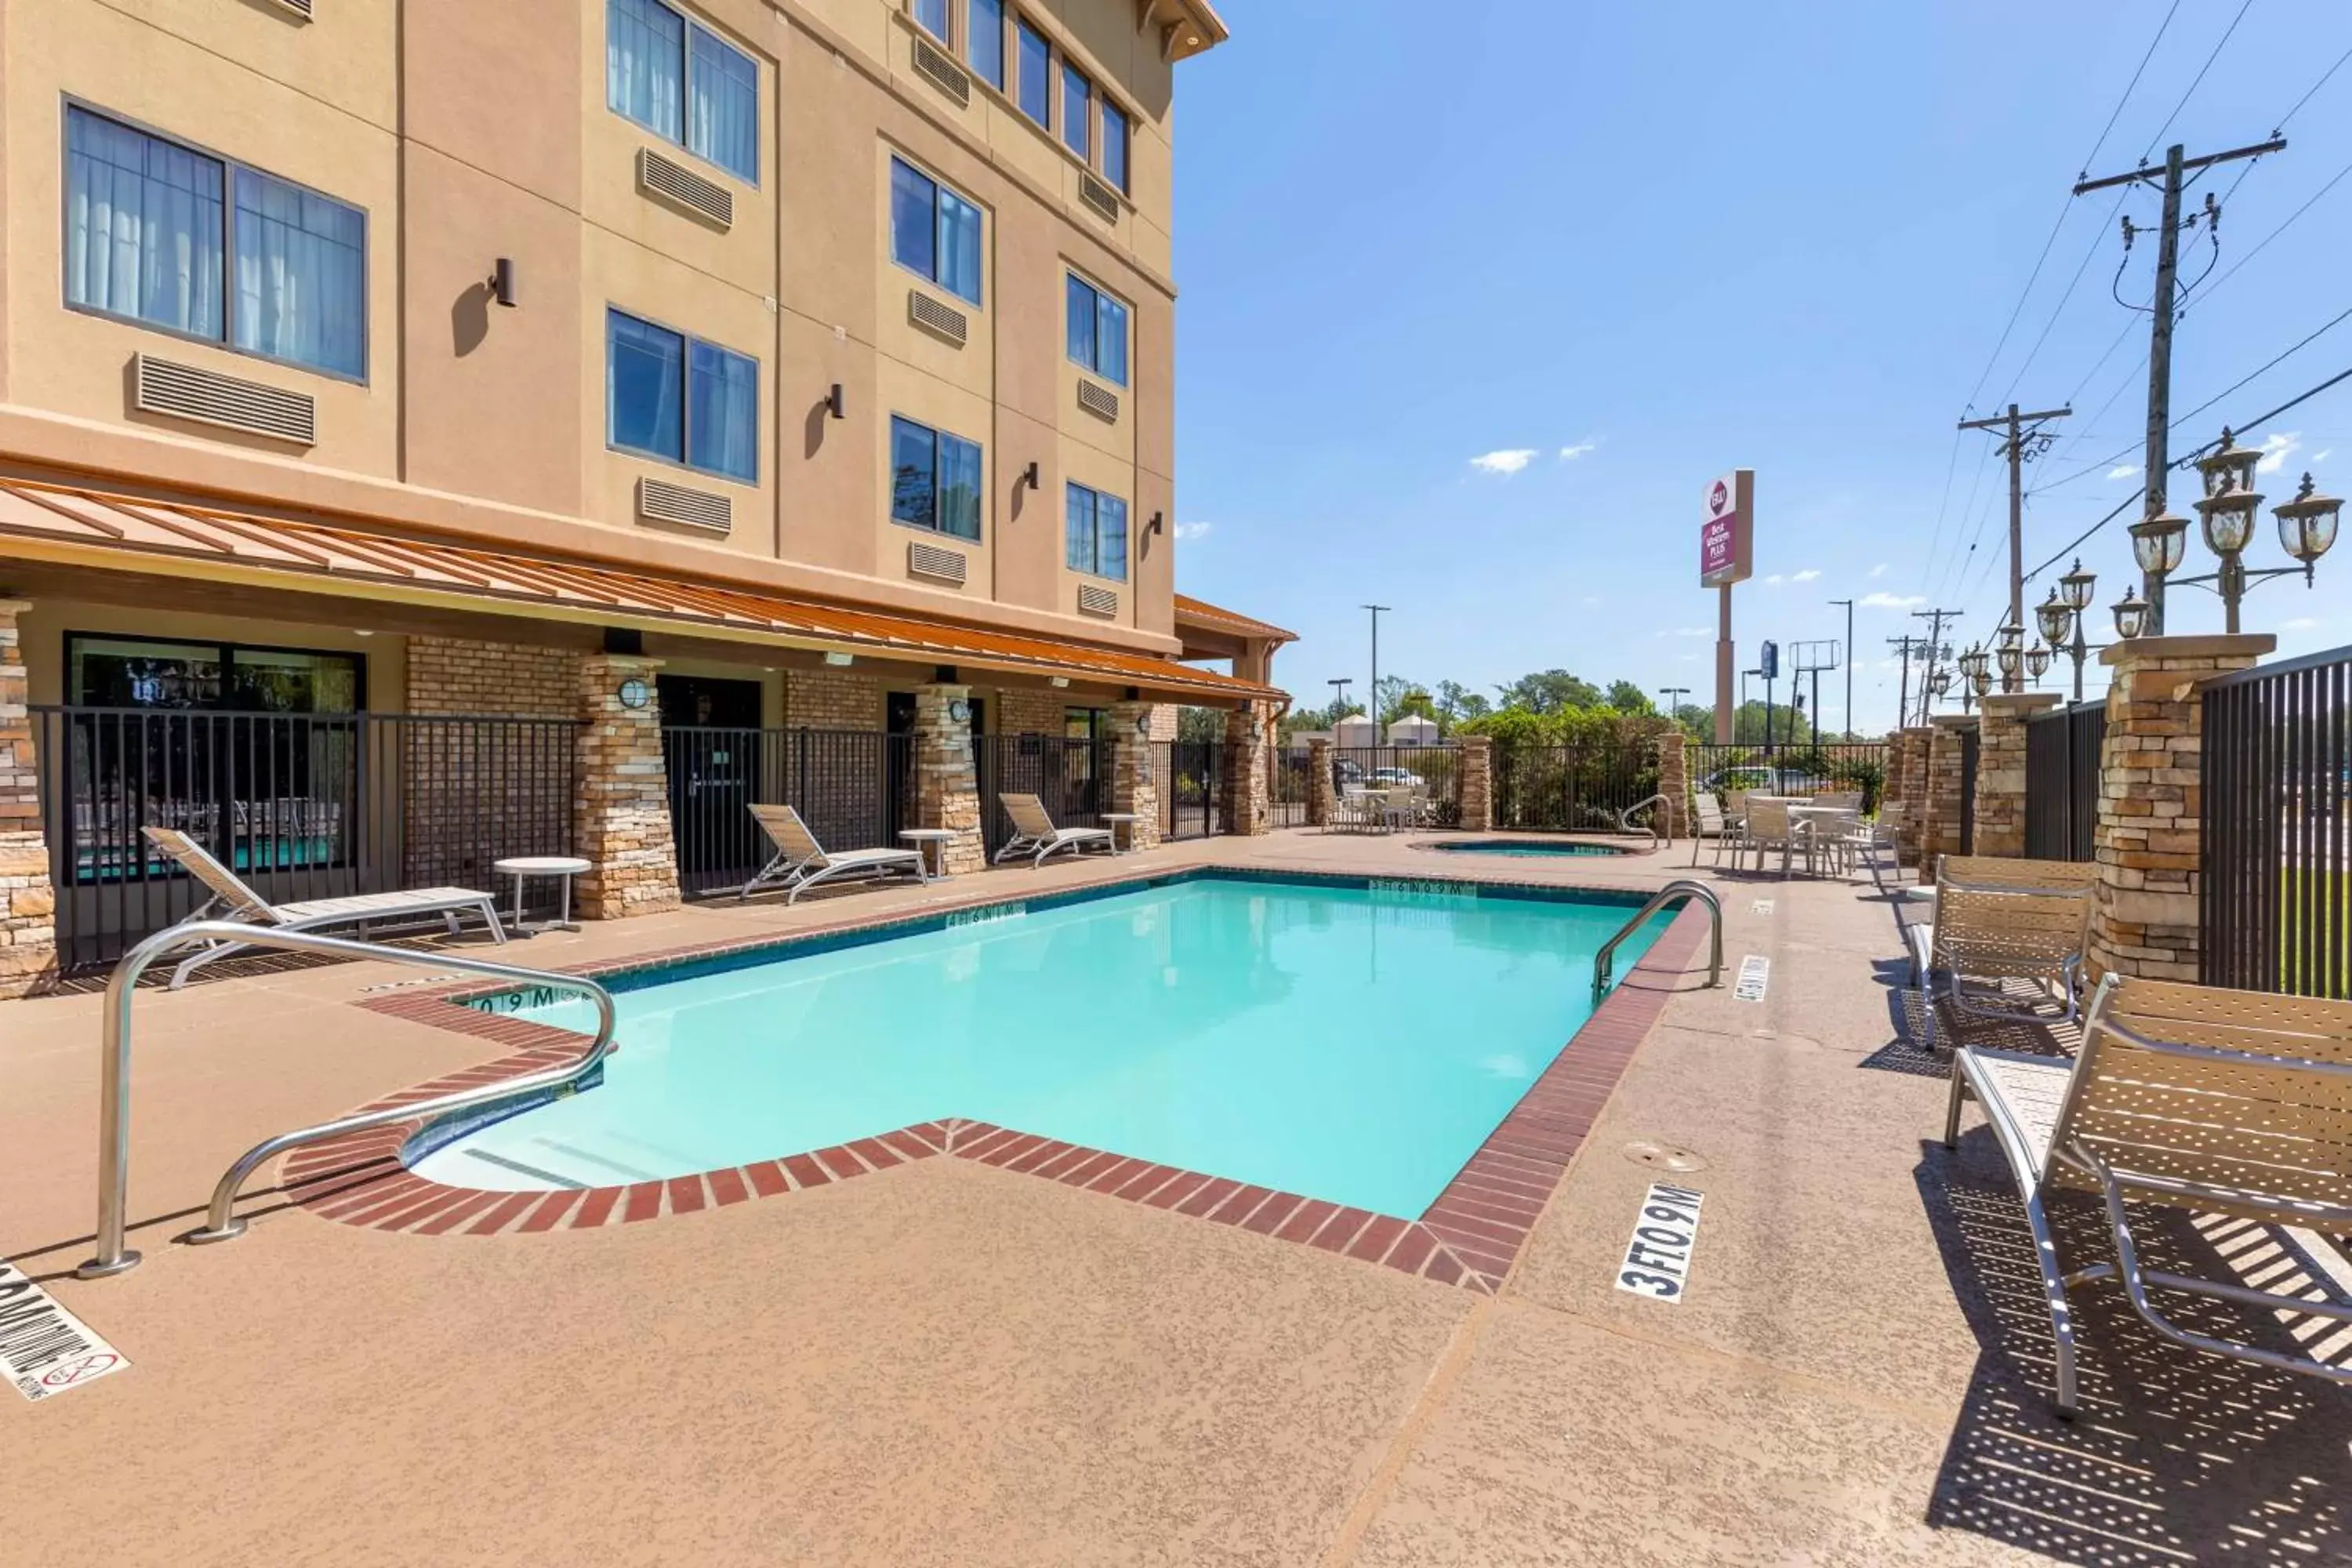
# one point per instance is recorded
(2018, 702)
(1954, 722)
(2215, 646)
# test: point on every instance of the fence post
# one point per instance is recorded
(1946, 781)
(28, 936)
(2145, 920)
(2001, 770)
(1319, 783)
(946, 782)
(1244, 770)
(1476, 783)
(1674, 782)
(1133, 790)
(620, 798)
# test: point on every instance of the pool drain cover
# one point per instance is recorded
(1663, 1156)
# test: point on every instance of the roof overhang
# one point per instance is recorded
(1211, 631)
(73, 526)
(1182, 28)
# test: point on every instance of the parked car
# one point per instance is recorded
(1397, 778)
(1770, 781)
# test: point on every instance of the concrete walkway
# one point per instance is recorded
(950, 1363)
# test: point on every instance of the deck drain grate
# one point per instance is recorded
(1662, 1156)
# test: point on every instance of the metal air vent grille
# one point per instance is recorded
(682, 187)
(932, 64)
(1099, 401)
(1098, 196)
(942, 321)
(208, 397)
(662, 501)
(1093, 601)
(299, 7)
(930, 561)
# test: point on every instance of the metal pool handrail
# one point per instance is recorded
(114, 1091)
(1681, 886)
(1625, 820)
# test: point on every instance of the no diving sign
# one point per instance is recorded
(44, 1349)
(1666, 1233)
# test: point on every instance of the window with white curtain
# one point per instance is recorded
(678, 398)
(159, 233)
(683, 82)
(1097, 330)
(934, 232)
(1095, 532)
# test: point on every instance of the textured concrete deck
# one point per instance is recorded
(951, 1363)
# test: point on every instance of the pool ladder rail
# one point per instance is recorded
(1658, 836)
(221, 1222)
(1681, 886)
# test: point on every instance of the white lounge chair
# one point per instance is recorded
(1999, 920)
(1034, 835)
(801, 862)
(232, 899)
(2224, 1102)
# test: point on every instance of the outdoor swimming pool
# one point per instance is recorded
(1342, 1039)
(1523, 847)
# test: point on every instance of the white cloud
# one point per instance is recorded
(1591, 598)
(1194, 529)
(1879, 569)
(1885, 600)
(2124, 471)
(1774, 581)
(1569, 454)
(2322, 454)
(2277, 449)
(1807, 575)
(1689, 632)
(1508, 460)
(2300, 624)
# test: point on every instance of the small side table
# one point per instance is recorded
(1119, 819)
(564, 868)
(931, 847)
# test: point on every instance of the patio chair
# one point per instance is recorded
(2224, 1102)
(1999, 920)
(801, 862)
(1034, 835)
(1768, 826)
(232, 899)
(1882, 832)
(1709, 819)
(1355, 810)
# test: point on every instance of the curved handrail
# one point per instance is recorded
(1681, 886)
(1625, 820)
(114, 1093)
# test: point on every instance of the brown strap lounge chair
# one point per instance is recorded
(800, 863)
(1999, 920)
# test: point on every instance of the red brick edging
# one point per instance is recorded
(1470, 1236)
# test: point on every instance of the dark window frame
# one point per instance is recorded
(227, 651)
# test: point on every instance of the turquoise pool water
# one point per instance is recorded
(1352, 1043)
(1522, 847)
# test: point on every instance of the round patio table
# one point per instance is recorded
(1822, 817)
(1117, 819)
(562, 868)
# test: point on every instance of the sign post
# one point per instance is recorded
(1727, 548)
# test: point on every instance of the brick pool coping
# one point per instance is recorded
(1468, 1237)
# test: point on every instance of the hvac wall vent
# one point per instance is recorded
(1099, 401)
(1098, 195)
(930, 561)
(1093, 601)
(299, 7)
(943, 73)
(208, 397)
(682, 187)
(941, 321)
(663, 501)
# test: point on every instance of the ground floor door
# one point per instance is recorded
(712, 750)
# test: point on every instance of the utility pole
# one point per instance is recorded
(1373, 705)
(1849, 666)
(2177, 165)
(1934, 648)
(2016, 449)
(1906, 645)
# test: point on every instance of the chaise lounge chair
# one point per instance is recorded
(2222, 1102)
(232, 899)
(801, 862)
(1034, 835)
(2000, 919)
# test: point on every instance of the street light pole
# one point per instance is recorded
(1849, 670)
(1372, 704)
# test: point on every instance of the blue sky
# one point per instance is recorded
(1616, 250)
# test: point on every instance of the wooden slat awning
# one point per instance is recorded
(90, 527)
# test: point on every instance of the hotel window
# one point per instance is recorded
(1114, 143)
(149, 672)
(1077, 95)
(675, 397)
(683, 82)
(273, 270)
(1097, 331)
(935, 479)
(1036, 60)
(931, 16)
(1095, 532)
(934, 232)
(983, 40)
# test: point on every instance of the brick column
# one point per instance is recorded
(620, 800)
(1477, 783)
(1673, 782)
(1319, 783)
(28, 940)
(1910, 786)
(947, 787)
(1133, 788)
(2001, 770)
(1245, 784)
(2144, 917)
(1939, 830)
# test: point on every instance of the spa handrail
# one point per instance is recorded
(1681, 886)
(114, 1092)
(1625, 820)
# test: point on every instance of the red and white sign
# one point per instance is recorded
(1727, 534)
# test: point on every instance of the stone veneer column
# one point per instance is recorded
(946, 786)
(1673, 782)
(621, 796)
(2001, 770)
(28, 940)
(1477, 782)
(2144, 915)
(1319, 783)
(1910, 786)
(1939, 831)
(1133, 787)
(1245, 793)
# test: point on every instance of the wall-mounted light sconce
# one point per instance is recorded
(1061, 683)
(1159, 524)
(501, 283)
(833, 404)
(840, 660)
(1029, 477)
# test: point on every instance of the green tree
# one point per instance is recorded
(1549, 691)
(1627, 698)
(1454, 703)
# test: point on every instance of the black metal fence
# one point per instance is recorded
(2062, 781)
(1071, 778)
(299, 806)
(1571, 789)
(2277, 852)
(1434, 770)
(1190, 779)
(855, 788)
(1287, 791)
(1971, 743)
(1832, 767)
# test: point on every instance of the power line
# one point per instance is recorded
(2261, 244)
(2307, 97)
(2158, 140)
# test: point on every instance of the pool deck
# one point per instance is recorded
(950, 1362)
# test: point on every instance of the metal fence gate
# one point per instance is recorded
(1070, 777)
(855, 788)
(298, 805)
(1286, 793)
(2277, 851)
(2062, 781)
(1191, 776)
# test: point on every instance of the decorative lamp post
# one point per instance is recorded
(2062, 616)
(2227, 512)
(1978, 676)
(2037, 662)
(1939, 681)
(2009, 649)
(2131, 618)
